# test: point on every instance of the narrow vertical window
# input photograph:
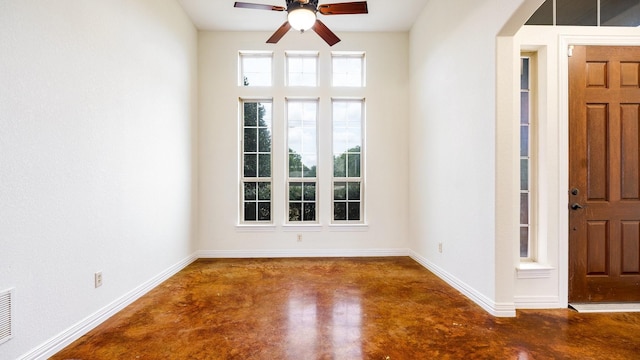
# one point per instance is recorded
(255, 69)
(302, 139)
(256, 161)
(347, 69)
(302, 68)
(347, 161)
(525, 157)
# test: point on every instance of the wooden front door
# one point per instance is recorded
(604, 174)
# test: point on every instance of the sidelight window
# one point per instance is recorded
(526, 157)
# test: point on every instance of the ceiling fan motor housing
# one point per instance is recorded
(304, 4)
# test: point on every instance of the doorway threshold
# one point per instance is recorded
(605, 307)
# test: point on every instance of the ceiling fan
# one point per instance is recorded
(302, 16)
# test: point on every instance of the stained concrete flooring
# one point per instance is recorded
(338, 308)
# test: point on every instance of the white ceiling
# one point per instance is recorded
(220, 15)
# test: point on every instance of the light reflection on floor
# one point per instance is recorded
(306, 324)
(302, 337)
(346, 327)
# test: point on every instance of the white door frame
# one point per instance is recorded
(563, 147)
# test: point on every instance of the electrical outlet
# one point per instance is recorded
(439, 247)
(97, 278)
(299, 237)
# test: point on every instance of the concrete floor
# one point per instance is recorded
(359, 308)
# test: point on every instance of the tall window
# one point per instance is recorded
(256, 161)
(302, 68)
(255, 68)
(526, 159)
(274, 101)
(347, 69)
(302, 139)
(347, 160)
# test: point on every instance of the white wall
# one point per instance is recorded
(386, 146)
(97, 166)
(453, 148)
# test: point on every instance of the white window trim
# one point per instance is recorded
(361, 178)
(242, 224)
(301, 54)
(242, 54)
(288, 179)
(259, 227)
(279, 93)
(351, 54)
(310, 227)
(535, 266)
(533, 160)
(534, 270)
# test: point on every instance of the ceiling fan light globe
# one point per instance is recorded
(302, 19)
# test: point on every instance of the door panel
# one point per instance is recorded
(597, 248)
(597, 151)
(604, 174)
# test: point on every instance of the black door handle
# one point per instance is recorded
(576, 206)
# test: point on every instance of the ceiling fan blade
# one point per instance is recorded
(326, 34)
(282, 30)
(258, 6)
(359, 7)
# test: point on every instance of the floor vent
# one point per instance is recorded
(6, 302)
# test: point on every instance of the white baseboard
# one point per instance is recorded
(539, 302)
(60, 341)
(243, 254)
(490, 306)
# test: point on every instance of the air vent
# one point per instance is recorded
(6, 330)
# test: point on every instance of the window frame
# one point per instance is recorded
(290, 55)
(352, 55)
(302, 179)
(348, 179)
(257, 179)
(242, 55)
(531, 158)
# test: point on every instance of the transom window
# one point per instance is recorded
(302, 68)
(255, 68)
(347, 69)
(587, 13)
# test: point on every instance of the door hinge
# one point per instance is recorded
(570, 51)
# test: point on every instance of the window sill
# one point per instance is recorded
(301, 228)
(255, 227)
(349, 227)
(533, 270)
